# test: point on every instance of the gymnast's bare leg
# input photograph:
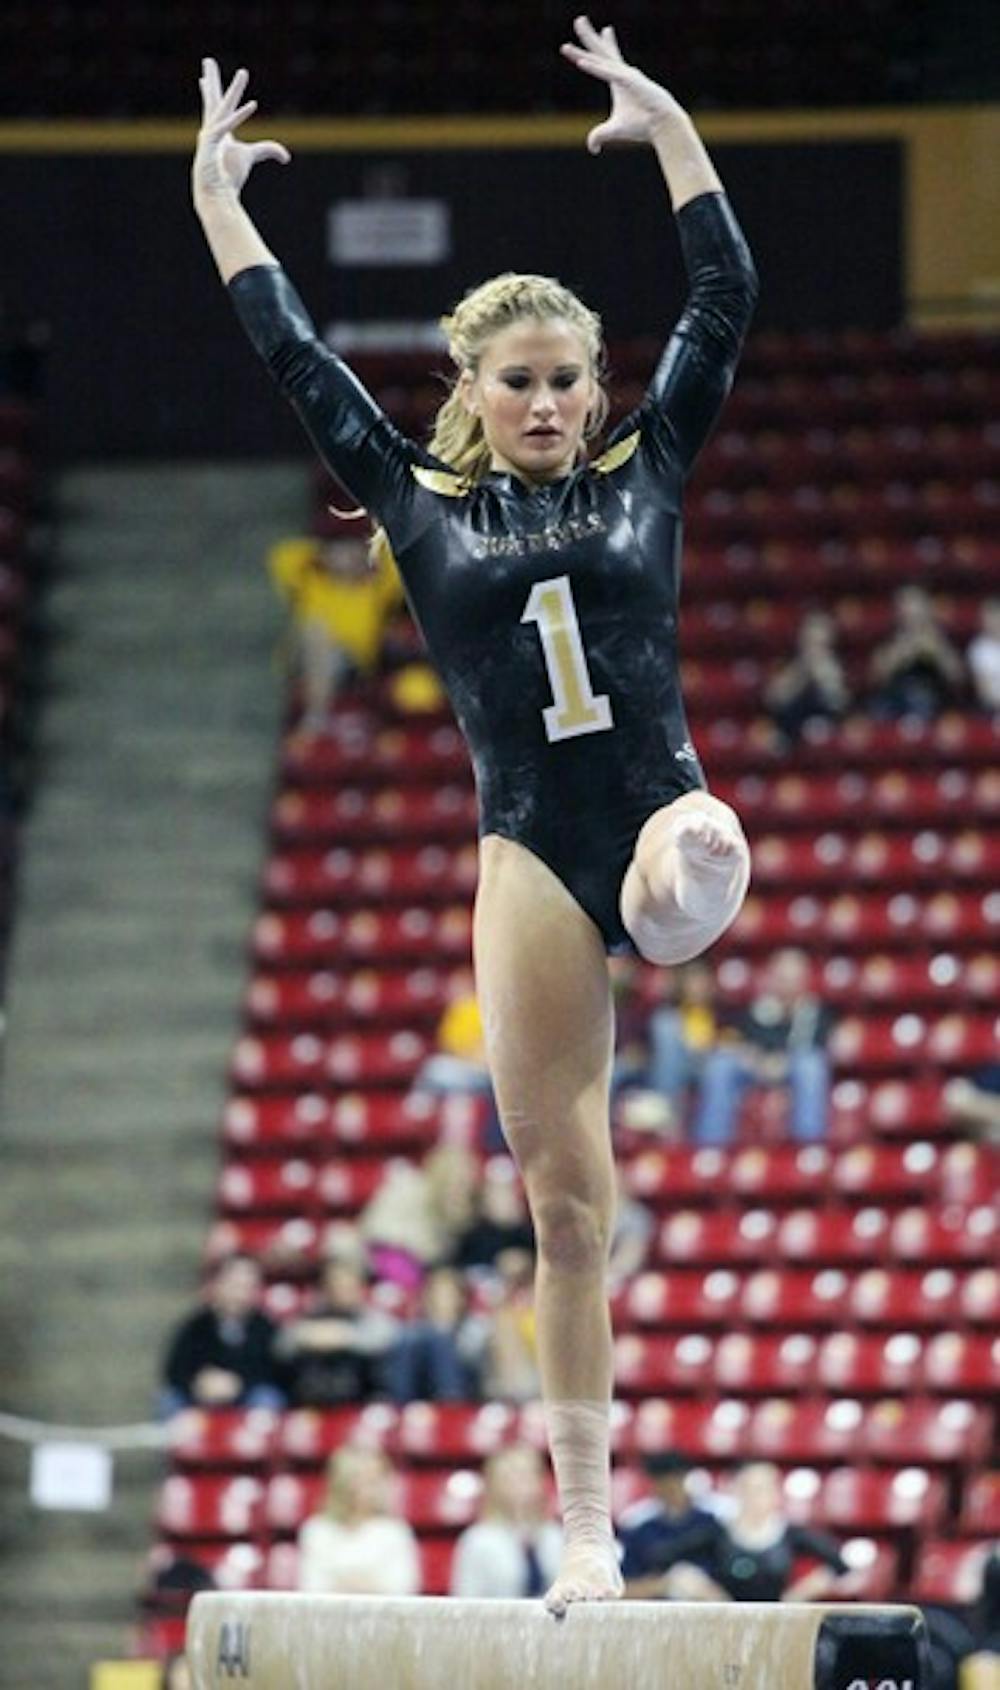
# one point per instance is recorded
(544, 991)
(687, 879)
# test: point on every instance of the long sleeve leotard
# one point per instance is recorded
(550, 610)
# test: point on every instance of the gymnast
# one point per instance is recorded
(546, 588)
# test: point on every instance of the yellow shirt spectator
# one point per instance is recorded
(330, 582)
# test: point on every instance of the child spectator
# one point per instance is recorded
(439, 1356)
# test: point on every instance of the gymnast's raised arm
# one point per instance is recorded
(696, 370)
(353, 436)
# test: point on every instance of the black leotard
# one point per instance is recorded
(549, 610)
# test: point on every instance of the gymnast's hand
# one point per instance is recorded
(221, 163)
(638, 105)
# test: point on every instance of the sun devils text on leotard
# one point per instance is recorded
(549, 610)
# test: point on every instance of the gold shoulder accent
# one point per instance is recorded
(616, 455)
(445, 481)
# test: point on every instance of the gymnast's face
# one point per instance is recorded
(532, 392)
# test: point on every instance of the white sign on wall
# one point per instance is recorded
(71, 1475)
(387, 232)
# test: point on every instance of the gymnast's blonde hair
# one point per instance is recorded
(457, 438)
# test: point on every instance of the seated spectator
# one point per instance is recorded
(972, 1101)
(510, 1370)
(418, 1214)
(335, 1351)
(779, 1039)
(501, 1220)
(632, 1235)
(339, 604)
(811, 686)
(438, 1357)
(513, 1550)
(682, 1030)
(629, 1068)
(964, 1643)
(222, 1355)
(983, 657)
(356, 1546)
(648, 1528)
(751, 1556)
(916, 671)
(459, 1063)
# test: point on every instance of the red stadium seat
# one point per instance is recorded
(331, 937)
(309, 1435)
(193, 1505)
(949, 1573)
(306, 1061)
(980, 1513)
(222, 1438)
(852, 1499)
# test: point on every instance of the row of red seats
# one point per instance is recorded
(360, 751)
(193, 1505)
(396, 873)
(304, 997)
(386, 1121)
(907, 1044)
(891, 1431)
(349, 815)
(374, 936)
(864, 1364)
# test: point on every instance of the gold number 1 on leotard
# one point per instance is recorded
(577, 709)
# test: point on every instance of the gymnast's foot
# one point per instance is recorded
(589, 1573)
(707, 856)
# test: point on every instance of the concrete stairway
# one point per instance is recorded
(138, 881)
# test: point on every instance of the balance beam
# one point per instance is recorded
(290, 1642)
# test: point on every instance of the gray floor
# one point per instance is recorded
(137, 887)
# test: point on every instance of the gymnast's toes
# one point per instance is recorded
(592, 1580)
(705, 836)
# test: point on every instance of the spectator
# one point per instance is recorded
(916, 671)
(339, 604)
(629, 1068)
(964, 1643)
(513, 1550)
(811, 686)
(751, 1557)
(439, 1356)
(459, 1063)
(335, 1352)
(417, 1214)
(511, 1366)
(501, 1221)
(222, 1355)
(779, 1039)
(356, 1547)
(648, 1528)
(632, 1235)
(683, 1029)
(983, 656)
(973, 1101)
